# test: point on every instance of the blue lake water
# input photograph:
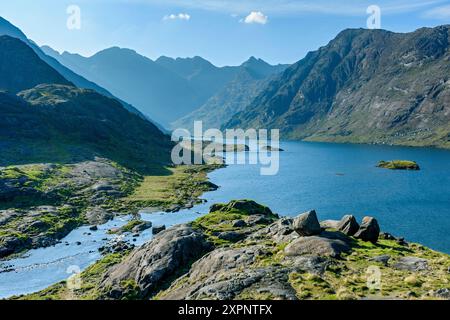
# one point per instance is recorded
(333, 179)
(338, 179)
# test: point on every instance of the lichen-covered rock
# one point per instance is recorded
(166, 256)
(331, 244)
(280, 231)
(384, 259)
(307, 224)
(226, 273)
(369, 230)
(412, 264)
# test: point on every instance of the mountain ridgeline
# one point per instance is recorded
(8, 29)
(44, 118)
(247, 83)
(365, 86)
(166, 89)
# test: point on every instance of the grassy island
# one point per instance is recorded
(399, 165)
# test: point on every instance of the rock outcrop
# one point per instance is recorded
(223, 256)
(150, 266)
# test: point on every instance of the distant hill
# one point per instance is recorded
(246, 84)
(166, 89)
(203, 77)
(365, 86)
(21, 68)
(57, 122)
(158, 92)
(8, 29)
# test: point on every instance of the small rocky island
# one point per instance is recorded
(271, 149)
(399, 165)
(242, 250)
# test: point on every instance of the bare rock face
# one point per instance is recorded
(154, 263)
(330, 244)
(369, 230)
(226, 273)
(348, 225)
(307, 224)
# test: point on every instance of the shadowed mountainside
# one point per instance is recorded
(365, 86)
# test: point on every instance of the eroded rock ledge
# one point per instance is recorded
(241, 250)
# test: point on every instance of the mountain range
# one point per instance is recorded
(166, 89)
(365, 86)
(246, 84)
(8, 29)
(45, 118)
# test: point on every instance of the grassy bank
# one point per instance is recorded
(41, 203)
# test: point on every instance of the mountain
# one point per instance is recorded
(21, 68)
(246, 84)
(50, 120)
(203, 77)
(136, 79)
(365, 86)
(8, 29)
(166, 89)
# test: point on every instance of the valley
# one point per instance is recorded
(94, 205)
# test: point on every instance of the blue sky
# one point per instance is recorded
(226, 32)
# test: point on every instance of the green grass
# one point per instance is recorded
(90, 280)
(183, 184)
(399, 165)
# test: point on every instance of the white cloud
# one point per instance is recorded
(295, 7)
(256, 17)
(180, 16)
(441, 13)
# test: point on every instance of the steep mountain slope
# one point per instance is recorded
(369, 86)
(21, 68)
(136, 79)
(57, 122)
(204, 78)
(60, 123)
(6, 28)
(249, 81)
(166, 89)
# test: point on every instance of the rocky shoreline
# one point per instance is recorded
(42, 203)
(242, 250)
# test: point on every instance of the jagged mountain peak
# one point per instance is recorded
(365, 85)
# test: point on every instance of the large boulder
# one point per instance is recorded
(331, 244)
(348, 225)
(369, 230)
(307, 224)
(152, 265)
